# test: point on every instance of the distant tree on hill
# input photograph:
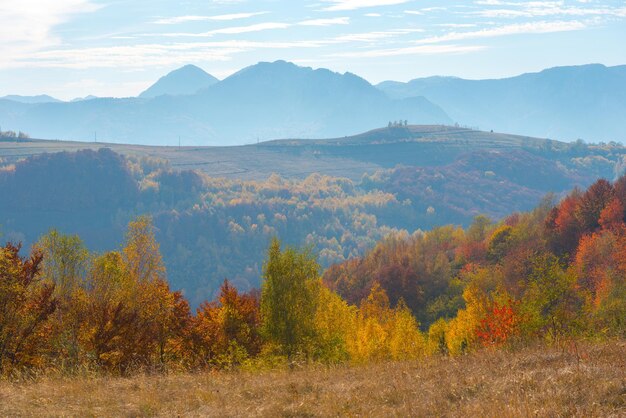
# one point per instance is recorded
(398, 124)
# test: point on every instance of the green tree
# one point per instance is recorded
(289, 299)
(65, 263)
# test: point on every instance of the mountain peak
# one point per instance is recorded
(185, 80)
(280, 73)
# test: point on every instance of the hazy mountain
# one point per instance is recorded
(568, 103)
(264, 101)
(42, 98)
(183, 81)
(80, 99)
(280, 99)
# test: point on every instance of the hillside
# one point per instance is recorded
(183, 81)
(212, 228)
(276, 100)
(564, 103)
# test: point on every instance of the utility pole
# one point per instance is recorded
(95, 136)
(178, 141)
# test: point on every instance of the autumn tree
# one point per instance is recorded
(26, 303)
(225, 332)
(563, 225)
(592, 202)
(134, 317)
(499, 324)
(141, 251)
(335, 322)
(113, 334)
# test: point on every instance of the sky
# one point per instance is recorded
(115, 48)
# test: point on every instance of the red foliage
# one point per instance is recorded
(499, 325)
(592, 202)
(612, 216)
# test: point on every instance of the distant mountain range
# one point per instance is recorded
(566, 103)
(282, 100)
(264, 101)
(42, 98)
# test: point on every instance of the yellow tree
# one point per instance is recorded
(141, 251)
(334, 322)
(158, 308)
(461, 330)
(406, 342)
(372, 328)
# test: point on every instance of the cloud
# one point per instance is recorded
(153, 54)
(532, 9)
(27, 25)
(375, 35)
(194, 18)
(326, 22)
(257, 27)
(506, 30)
(233, 30)
(338, 5)
(411, 50)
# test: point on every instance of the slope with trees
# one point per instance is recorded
(553, 275)
(211, 229)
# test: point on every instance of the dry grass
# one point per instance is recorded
(530, 382)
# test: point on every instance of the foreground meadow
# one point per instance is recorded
(580, 380)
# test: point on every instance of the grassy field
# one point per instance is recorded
(586, 381)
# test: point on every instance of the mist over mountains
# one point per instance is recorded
(282, 100)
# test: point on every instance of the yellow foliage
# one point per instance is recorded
(437, 337)
(461, 330)
(334, 322)
(382, 333)
(406, 340)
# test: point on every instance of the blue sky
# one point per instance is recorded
(72, 48)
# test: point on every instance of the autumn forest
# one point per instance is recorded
(553, 274)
